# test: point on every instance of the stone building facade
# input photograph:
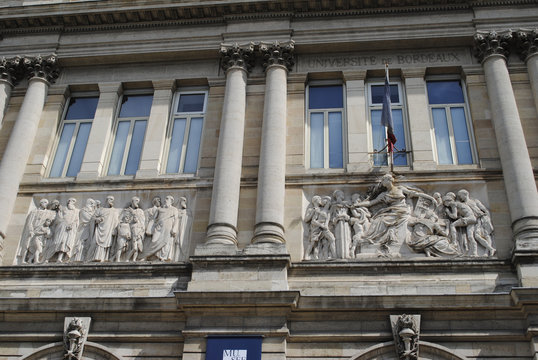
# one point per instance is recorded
(179, 179)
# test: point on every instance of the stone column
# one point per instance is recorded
(94, 159)
(491, 50)
(236, 61)
(10, 74)
(278, 60)
(417, 105)
(527, 45)
(41, 72)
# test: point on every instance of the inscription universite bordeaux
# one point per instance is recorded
(350, 61)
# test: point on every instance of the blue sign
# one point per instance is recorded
(234, 348)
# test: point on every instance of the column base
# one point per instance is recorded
(268, 232)
(221, 239)
(525, 253)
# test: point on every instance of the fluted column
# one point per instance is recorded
(41, 72)
(236, 61)
(527, 45)
(278, 59)
(10, 74)
(491, 50)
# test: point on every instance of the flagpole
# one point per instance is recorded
(390, 157)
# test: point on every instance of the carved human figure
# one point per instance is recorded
(180, 250)
(65, 233)
(388, 222)
(106, 222)
(138, 229)
(429, 237)
(483, 227)
(150, 214)
(165, 229)
(84, 232)
(340, 218)
(462, 218)
(360, 221)
(34, 220)
(124, 235)
(42, 234)
(318, 216)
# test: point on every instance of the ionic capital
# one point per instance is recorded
(43, 67)
(527, 43)
(11, 70)
(278, 53)
(489, 43)
(237, 55)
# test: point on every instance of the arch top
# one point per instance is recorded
(428, 350)
(92, 351)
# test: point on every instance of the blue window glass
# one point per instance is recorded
(400, 158)
(378, 93)
(379, 136)
(136, 105)
(135, 149)
(317, 146)
(81, 108)
(78, 149)
(176, 145)
(461, 136)
(335, 140)
(62, 150)
(325, 97)
(193, 146)
(119, 148)
(191, 103)
(445, 92)
(442, 136)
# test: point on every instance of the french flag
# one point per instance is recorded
(386, 114)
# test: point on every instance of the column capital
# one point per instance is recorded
(278, 53)
(489, 43)
(237, 56)
(11, 70)
(527, 43)
(43, 67)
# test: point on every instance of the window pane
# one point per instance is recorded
(379, 137)
(335, 140)
(378, 92)
(461, 135)
(316, 140)
(193, 146)
(119, 147)
(79, 149)
(135, 150)
(136, 105)
(81, 108)
(176, 145)
(191, 103)
(62, 150)
(400, 159)
(445, 92)
(442, 137)
(325, 97)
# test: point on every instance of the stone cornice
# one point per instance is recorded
(70, 17)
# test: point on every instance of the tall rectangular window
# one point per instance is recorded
(76, 127)
(129, 135)
(325, 124)
(185, 131)
(452, 131)
(379, 133)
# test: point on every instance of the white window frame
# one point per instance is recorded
(401, 105)
(60, 129)
(447, 107)
(132, 121)
(325, 125)
(188, 116)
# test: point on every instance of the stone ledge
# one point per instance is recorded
(196, 299)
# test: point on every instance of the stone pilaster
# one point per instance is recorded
(41, 72)
(359, 158)
(278, 60)
(491, 49)
(10, 74)
(527, 46)
(236, 61)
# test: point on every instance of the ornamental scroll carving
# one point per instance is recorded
(101, 232)
(237, 55)
(527, 43)
(278, 53)
(394, 220)
(75, 335)
(406, 331)
(492, 43)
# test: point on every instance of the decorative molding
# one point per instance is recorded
(75, 335)
(527, 43)
(43, 67)
(406, 331)
(278, 53)
(489, 43)
(237, 55)
(11, 69)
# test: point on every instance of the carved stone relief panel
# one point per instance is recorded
(396, 220)
(121, 227)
